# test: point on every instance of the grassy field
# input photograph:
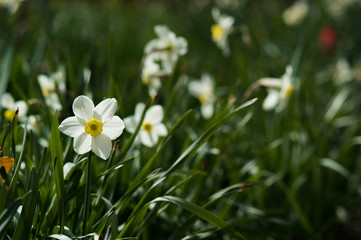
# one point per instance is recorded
(191, 119)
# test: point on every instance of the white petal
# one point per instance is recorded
(146, 139)
(271, 100)
(106, 109)
(7, 101)
(113, 128)
(102, 146)
(130, 124)
(160, 129)
(72, 127)
(154, 114)
(45, 82)
(83, 107)
(139, 108)
(83, 143)
(23, 108)
(207, 110)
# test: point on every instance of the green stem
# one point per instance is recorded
(87, 195)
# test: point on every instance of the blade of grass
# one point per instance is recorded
(57, 157)
(23, 228)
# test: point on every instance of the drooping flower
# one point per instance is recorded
(93, 127)
(49, 84)
(279, 90)
(8, 164)
(294, 15)
(7, 102)
(150, 75)
(221, 30)
(204, 91)
(152, 127)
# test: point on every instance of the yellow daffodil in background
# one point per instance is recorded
(8, 164)
(152, 127)
(221, 29)
(294, 15)
(204, 91)
(279, 90)
(8, 103)
(93, 127)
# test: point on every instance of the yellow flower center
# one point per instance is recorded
(203, 98)
(94, 127)
(217, 32)
(147, 127)
(9, 114)
(288, 91)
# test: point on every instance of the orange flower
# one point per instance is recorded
(7, 163)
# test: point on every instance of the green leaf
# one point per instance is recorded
(195, 209)
(60, 236)
(335, 166)
(5, 69)
(7, 215)
(57, 159)
(26, 220)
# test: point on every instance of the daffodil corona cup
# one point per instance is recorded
(93, 127)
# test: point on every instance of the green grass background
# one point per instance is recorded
(303, 167)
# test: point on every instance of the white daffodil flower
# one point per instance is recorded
(279, 90)
(152, 127)
(7, 102)
(168, 46)
(150, 75)
(294, 15)
(48, 87)
(93, 128)
(204, 91)
(221, 30)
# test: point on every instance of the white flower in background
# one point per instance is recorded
(221, 30)
(337, 8)
(7, 102)
(279, 90)
(93, 128)
(294, 15)
(49, 84)
(34, 123)
(150, 73)
(343, 72)
(204, 91)
(167, 46)
(11, 5)
(152, 127)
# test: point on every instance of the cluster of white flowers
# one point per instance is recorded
(221, 30)
(161, 55)
(49, 86)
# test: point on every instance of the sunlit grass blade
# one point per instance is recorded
(7, 215)
(195, 209)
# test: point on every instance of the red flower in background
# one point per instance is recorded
(328, 40)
